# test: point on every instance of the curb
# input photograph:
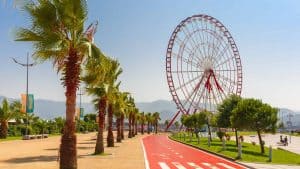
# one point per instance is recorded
(220, 155)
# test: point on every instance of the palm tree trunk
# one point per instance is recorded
(156, 128)
(148, 127)
(68, 152)
(122, 126)
(3, 129)
(136, 128)
(129, 125)
(262, 148)
(133, 126)
(119, 138)
(110, 135)
(100, 143)
(142, 127)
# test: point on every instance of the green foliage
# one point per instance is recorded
(90, 117)
(89, 124)
(56, 28)
(225, 111)
(220, 134)
(176, 124)
(9, 111)
(254, 115)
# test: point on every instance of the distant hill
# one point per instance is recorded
(48, 109)
(166, 108)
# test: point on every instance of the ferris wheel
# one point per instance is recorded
(203, 65)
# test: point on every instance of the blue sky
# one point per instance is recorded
(136, 32)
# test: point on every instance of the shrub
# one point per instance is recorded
(220, 134)
(227, 137)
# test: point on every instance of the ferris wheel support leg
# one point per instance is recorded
(172, 121)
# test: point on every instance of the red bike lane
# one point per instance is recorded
(162, 153)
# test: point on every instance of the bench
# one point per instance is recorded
(281, 144)
(31, 137)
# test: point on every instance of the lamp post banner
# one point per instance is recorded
(27, 107)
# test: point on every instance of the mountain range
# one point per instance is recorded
(48, 109)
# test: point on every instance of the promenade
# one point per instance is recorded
(43, 154)
(274, 139)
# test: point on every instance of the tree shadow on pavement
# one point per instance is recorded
(31, 159)
(42, 158)
(91, 142)
(51, 149)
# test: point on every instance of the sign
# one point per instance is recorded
(27, 106)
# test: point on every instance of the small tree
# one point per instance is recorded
(208, 118)
(225, 111)
(254, 115)
(176, 124)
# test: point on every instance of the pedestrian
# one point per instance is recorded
(285, 141)
(281, 140)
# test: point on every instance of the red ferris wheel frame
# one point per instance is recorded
(210, 80)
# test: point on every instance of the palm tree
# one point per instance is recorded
(57, 33)
(137, 119)
(131, 107)
(95, 77)
(120, 107)
(7, 112)
(113, 89)
(149, 121)
(156, 118)
(142, 121)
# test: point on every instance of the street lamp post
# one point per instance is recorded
(80, 94)
(27, 65)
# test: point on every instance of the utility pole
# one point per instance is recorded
(27, 65)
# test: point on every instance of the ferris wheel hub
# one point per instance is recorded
(207, 64)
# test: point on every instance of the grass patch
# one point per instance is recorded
(11, 138)
(250, 153)
(242, 133)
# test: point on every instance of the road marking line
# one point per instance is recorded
(145, 156)
(181, 156)
(177, 153)
(163, 165)
(194, 165)
(178, 165)
(210, 166)
(226, 166)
